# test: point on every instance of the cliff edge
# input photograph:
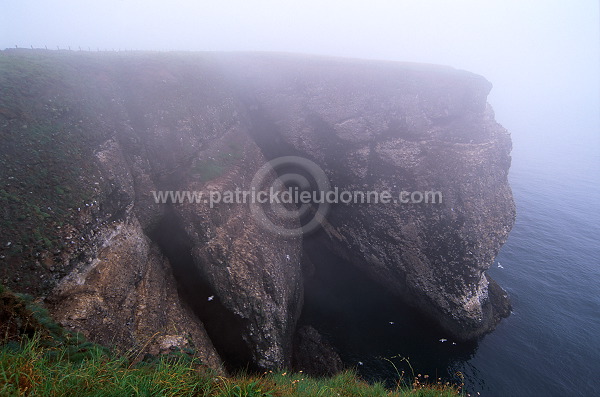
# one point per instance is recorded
(88, 137)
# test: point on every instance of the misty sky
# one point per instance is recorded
(543, 56)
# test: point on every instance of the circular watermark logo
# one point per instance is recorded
(293, 190)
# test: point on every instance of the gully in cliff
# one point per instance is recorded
(398, 169)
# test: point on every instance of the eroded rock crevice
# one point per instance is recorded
(130, 268)
(224, 327)
(432, 256)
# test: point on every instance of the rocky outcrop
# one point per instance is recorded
(126, 270)
(125, 295)
(120, 290)
(105, 131)
(253, 274)
(400, 127)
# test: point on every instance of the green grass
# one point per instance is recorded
(31, 369)
(48, 129)
(39, 358)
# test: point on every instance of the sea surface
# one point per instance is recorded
(550, 267)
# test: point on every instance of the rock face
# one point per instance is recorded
(125, 294)
(88, 138)
(254, 275)
(376, 127)
(127, 270)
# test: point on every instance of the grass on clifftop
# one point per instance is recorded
(39, 358)
(31, 370)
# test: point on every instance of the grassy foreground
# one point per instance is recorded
(31, 369)
(39, 358)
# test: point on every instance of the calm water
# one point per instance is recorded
(550, 345)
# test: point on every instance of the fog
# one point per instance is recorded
(543, 57)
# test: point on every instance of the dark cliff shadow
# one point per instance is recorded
(369, 326)
(224, 328)
(366, 324)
